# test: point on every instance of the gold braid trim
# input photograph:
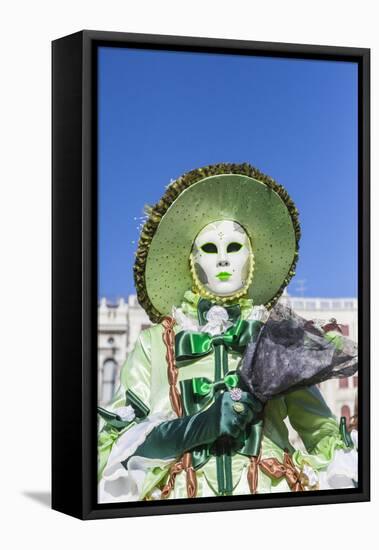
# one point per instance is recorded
(272, 467)
(185, 462)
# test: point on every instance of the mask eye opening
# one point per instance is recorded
(234, 247)
(209, 248)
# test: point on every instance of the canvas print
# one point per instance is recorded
(227, 314)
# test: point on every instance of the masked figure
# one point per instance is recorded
(213, 258)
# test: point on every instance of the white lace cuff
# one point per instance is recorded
(123, 485)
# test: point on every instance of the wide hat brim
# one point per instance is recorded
(217, 192)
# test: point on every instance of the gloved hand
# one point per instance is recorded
(229, 418)
(172, 438)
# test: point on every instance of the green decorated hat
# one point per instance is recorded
(236, 192)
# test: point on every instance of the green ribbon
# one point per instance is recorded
(112, 419)
(199, 392)
(345, 435)
(192, 345)
(204, 387)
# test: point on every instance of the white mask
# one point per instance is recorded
(222, 259)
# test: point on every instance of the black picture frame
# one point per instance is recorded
(74, 273)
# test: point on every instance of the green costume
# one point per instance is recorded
(187, 433)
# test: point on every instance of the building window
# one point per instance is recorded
(110, 340)
(109, 377)
(343, 382)
(345, 411)
(324, 305)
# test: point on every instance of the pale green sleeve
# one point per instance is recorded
(310, 416)
(135, 376)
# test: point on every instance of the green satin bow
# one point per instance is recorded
(191, 345)
(203, 386)
(199, 392)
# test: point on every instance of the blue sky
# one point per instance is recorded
(164, 113)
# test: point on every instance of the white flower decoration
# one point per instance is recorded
(218, 321)
(126, 413)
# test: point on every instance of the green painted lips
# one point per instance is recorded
(223, 276)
